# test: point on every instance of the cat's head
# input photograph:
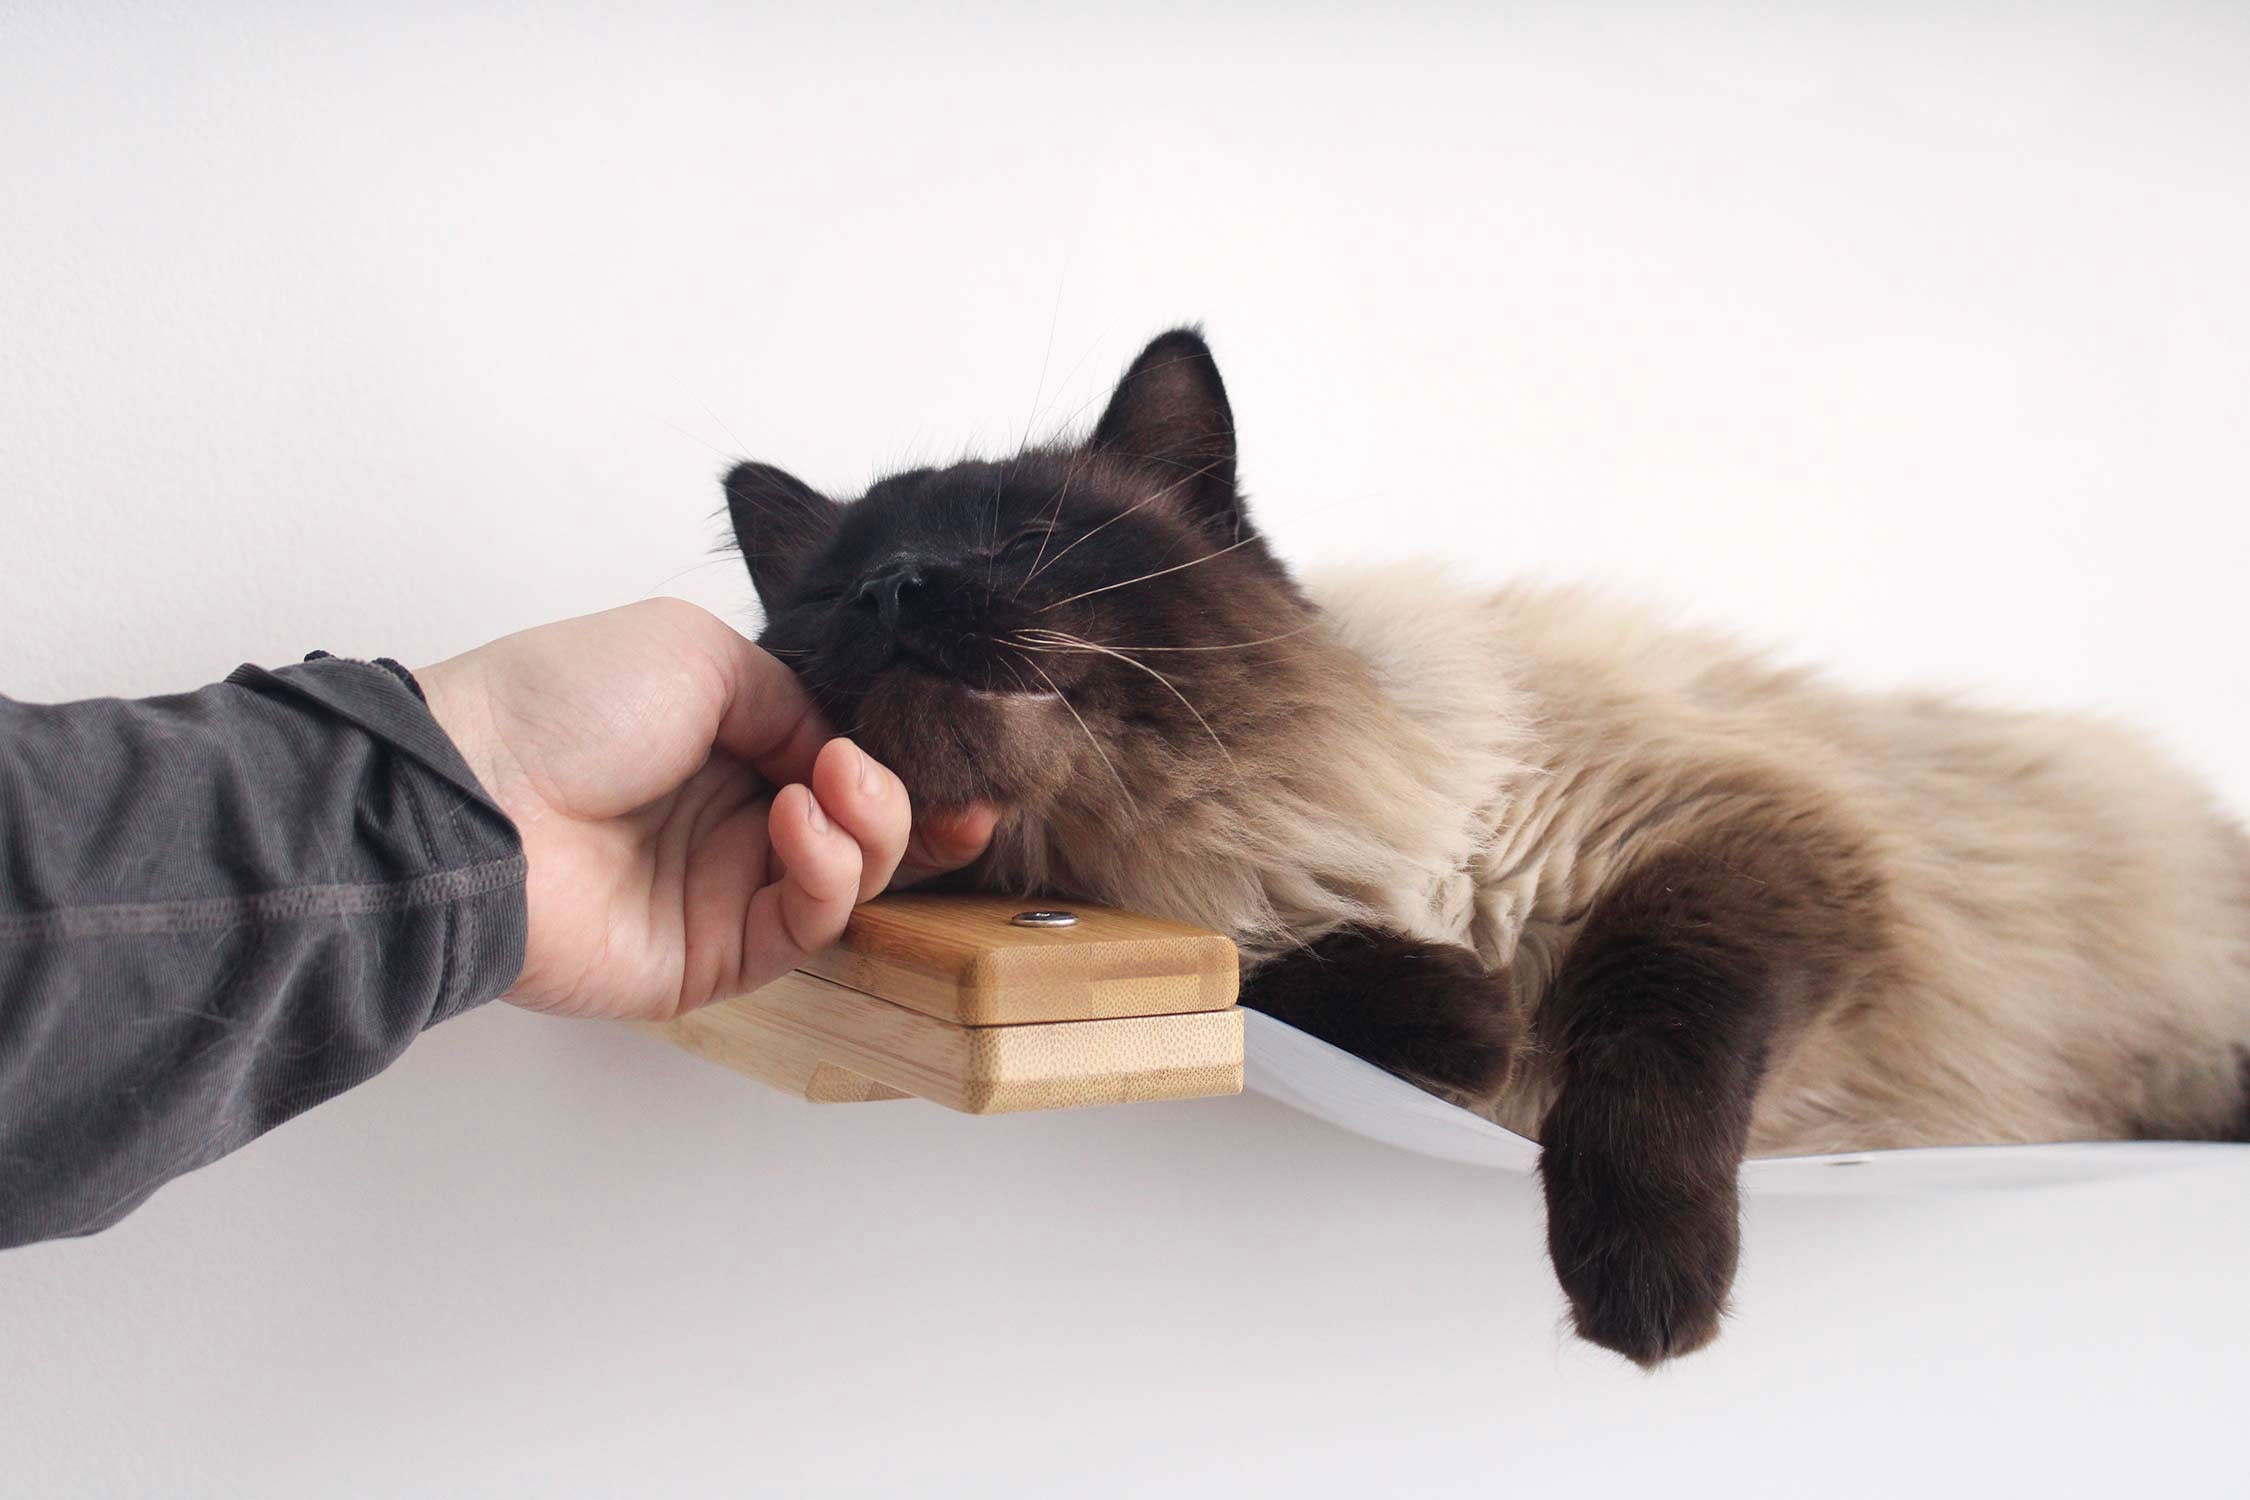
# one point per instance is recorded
(1072, 622)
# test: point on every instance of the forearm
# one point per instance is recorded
(218, 909)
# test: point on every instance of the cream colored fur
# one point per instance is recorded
(2066, 950)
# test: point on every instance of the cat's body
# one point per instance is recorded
(1621, 887)
(2056, 936)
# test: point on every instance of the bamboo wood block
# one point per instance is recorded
(942, 998)
(820, 1040)
(957, 957)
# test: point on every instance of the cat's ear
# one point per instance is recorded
(1170, 416)
(779, 523)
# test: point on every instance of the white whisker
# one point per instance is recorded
(1150, 499)
(1078, 644)
(1145, 577)
(1082, 724)
(739, 446)
(1039, 391)
(1223, 646)
(693, 438)
(1053, 518)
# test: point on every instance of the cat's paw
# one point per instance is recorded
(1446, 1027)
(1647, 1272)
(1429, 1012)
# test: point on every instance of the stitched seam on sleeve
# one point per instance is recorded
(449, 930)
(298, 904)
(464, 916)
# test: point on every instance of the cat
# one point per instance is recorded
(1618, 887)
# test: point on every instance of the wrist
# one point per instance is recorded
(456, 699)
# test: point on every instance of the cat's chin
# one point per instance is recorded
(954, 744)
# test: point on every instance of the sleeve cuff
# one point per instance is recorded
(370, 696)
(490, 919)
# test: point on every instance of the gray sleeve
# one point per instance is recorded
(220, 908)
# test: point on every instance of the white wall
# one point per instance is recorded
(1918, 344)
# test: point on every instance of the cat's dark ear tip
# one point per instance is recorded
(741, 475)
(1177, 359)
(779, 522)
(1186, 341)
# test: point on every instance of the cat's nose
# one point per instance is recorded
(893, 588)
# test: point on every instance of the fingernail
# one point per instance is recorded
(813, 814)
(870, 780)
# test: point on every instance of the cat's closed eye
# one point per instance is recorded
(1024, 545)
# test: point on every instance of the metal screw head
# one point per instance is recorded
(1044, 919)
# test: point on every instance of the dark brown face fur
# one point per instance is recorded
(1003, 631)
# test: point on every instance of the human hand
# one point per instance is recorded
(638, 752)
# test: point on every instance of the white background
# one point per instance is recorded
(1913, 339)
